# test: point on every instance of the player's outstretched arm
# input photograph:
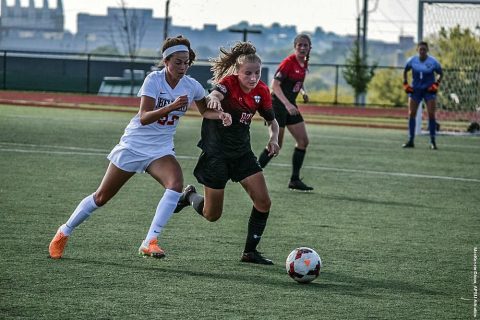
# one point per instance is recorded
(214, 114)
(214, 100)
(273, 147)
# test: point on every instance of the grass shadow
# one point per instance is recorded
(376, 202)
(327, 283)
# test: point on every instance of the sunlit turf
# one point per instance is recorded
(396, 229)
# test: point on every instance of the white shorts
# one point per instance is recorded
(126, 160)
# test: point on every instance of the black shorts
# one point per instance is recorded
(214, 171)
(283, 117)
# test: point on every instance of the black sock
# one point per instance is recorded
(256, 226)
(297, 162)
(197, 202)
(264, 158)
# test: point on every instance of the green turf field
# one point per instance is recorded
(396, 229)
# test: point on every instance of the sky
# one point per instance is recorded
(388, 19)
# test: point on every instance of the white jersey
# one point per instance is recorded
(152, 139)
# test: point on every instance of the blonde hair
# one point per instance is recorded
(229, 61)
(179, 40)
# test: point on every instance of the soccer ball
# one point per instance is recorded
(303, 264)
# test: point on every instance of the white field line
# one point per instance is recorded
(68, 119)
(315, 135)
(51, 146)
(53, 152)
(390, 141)
(103, 153)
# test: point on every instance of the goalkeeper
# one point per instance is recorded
(426, 77)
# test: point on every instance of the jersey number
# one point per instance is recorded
(165, 121)
(298, 86)
(246, 118)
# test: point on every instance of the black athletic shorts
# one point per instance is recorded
(283, 117)
(214, 171)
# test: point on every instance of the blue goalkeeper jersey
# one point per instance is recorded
(423, 72)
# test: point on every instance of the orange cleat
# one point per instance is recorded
(151, 250)
(57, 245)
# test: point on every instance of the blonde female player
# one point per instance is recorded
(226, 151)
(147, 145)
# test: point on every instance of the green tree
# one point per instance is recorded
(386, 88)
(458, 51)
(314, 82)
(357, 74)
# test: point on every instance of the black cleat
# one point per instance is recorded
(409, 144)
(298, 185)
(183, 201)
(255, 257)
(433, 146)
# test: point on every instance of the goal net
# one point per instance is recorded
(452, 30)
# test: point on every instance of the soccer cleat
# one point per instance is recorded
(298, 185)
(183, 201)
(151, 250)
(255, 257)
(433, 146)
(408, 144)
(57, 245)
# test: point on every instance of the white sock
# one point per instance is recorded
(165, 208)
(81, 213)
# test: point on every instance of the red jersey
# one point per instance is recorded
(291, 75)
(234, 141)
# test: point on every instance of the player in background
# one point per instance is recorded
(427, 75)
(147, 145)
(288, 82)
(226, 151)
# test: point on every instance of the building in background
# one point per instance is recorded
(31, 28)
(42, 29)
(17, 18)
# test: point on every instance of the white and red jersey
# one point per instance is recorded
(151, 139)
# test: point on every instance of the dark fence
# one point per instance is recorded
(84, 73)
(79, 73)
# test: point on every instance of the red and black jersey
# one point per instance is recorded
(234, 141)
(291, 75)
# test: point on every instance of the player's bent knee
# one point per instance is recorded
(212, 216)
(264, 205)
(302, 144)
(212, 219)
(101, 198)
(178, 187)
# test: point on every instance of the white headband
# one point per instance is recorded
(174, 49)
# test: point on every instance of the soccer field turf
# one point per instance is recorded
(396, 229)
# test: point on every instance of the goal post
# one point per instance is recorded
(452, 30)
(462, 5)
